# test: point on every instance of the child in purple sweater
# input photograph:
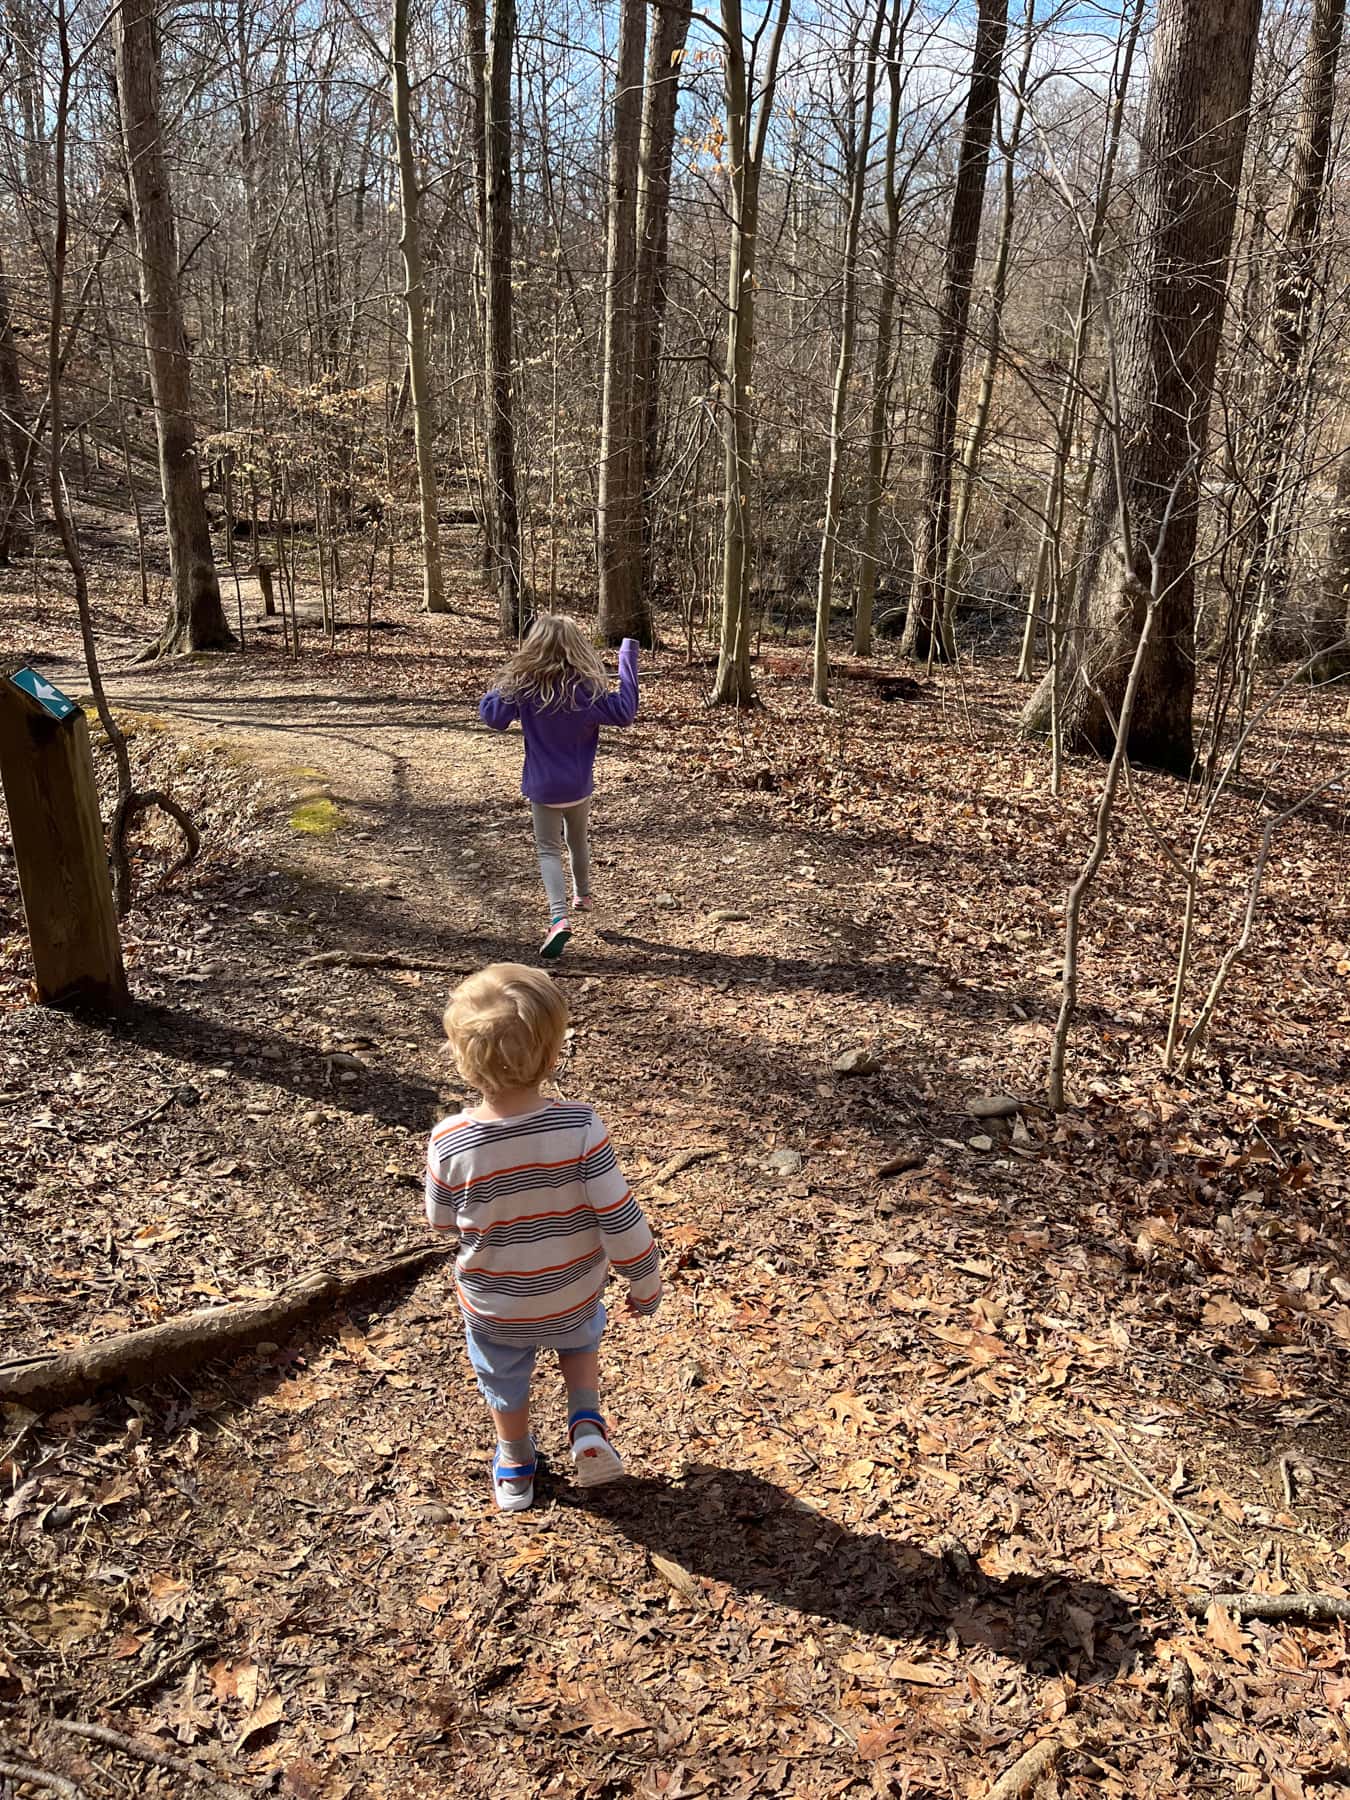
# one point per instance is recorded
(557, 687)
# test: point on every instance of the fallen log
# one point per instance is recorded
(133, 1358)
(1318, 1609)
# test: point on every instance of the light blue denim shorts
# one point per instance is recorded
(504, 1370)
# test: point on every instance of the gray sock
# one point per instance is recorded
(516, 1453)
(582, 1400)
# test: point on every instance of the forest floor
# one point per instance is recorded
(927, 1467)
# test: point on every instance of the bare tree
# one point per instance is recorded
(623, 612)
(883, 355)
(857, 148)
(976, 432)
(499, 326)
(1332, 623)
(749, 108)
(925, 635)
(665, 56)
(196, 618)
(1293, 301)
(1070, 397)
(16, 457)
(414, 300)
(1171, 313)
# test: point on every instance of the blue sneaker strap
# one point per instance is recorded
(586, 1416)
(514, 1472)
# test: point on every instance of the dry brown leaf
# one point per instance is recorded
(876, 1741)
(679, 1580)
(269, 1712)
(611, 1720)
(920, 1674)
(1222, 1630)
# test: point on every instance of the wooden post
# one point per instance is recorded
(48, 777)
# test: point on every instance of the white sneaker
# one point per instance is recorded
(512, 1485)
(596, 1460)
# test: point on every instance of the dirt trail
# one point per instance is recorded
(847, 1374)
(397, 771)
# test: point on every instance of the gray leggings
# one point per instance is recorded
(553, 825)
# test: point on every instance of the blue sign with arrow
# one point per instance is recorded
(49, 698)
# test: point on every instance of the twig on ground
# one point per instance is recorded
(9, 1454)
(146, 1117)
(40, 1778)
(1318, 1609)
(150, 1753)
(1026, 1771)
(167, 1666)
(678, 1164)
(1152, 1486)
(380, 959)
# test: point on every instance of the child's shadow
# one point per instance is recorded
(747, 1532)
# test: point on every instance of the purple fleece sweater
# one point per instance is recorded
(560, 741)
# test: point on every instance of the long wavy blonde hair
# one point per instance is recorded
(555, 666)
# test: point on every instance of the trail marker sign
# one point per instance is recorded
(49, 698)
(48, 776)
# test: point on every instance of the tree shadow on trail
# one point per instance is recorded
(378, 1090)
(745, 1531)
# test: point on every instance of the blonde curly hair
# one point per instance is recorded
(506, 1025)
(557, 665)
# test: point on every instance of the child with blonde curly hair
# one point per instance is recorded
(557, 687)
(533, 1188)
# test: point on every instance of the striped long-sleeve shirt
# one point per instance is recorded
(542, 1211)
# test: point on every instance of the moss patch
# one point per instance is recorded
(316, 818)
(131, 724)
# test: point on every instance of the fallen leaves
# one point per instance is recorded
(846, 1377)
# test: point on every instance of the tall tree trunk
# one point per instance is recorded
(1066, 418)
(619, 500)
(858, 152)
(973, 448)
(475, 55)
(924, 634)
(196, 618)
(250, 174)
(415, 304)
(1265, 582)
(499, 332)
(15, 452)
(748, 116)
(664, 57)
(1167, 341)
(883, 359)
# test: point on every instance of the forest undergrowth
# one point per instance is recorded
(929, 1466)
